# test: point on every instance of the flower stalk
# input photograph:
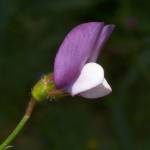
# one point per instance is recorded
(20, 125)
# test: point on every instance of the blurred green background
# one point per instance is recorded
(30, 34)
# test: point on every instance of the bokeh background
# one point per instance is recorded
(30, 34)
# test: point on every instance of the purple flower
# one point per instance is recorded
(75, 69)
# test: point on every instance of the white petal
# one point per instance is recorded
(99, 91)
(91, 76)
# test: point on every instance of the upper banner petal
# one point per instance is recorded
(102, 39)
(74, 52)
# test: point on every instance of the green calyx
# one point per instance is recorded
(43, 87)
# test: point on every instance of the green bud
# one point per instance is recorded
(43, 87)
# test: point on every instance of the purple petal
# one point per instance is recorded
(102, 39)
(74, 52)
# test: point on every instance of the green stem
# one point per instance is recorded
(15, 132)
(20, 125)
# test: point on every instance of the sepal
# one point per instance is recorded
(45, 88)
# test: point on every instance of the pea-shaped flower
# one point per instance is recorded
(75, 70)
(75, 67)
